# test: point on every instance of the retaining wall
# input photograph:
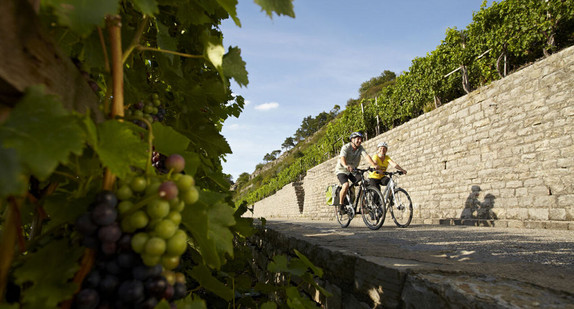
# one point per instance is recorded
(502, 155)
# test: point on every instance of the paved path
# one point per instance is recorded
(541, 257)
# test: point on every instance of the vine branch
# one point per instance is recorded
(136, 40)
(139, 47)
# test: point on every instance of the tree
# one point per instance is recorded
(335, 111)
(373, 86)
(242, 179)
(271, 156)
(288, 143)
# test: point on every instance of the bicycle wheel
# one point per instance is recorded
(373, 210)
(402, 208)
(345, 217)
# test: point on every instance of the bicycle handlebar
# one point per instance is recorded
(393, 173)
(370, 169)
(360, 170)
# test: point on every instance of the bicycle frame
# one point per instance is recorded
(362, 183)
(390, 188)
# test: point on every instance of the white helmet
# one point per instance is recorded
(382, 144)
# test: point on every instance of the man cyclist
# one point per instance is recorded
(382, 160)
(349, 158)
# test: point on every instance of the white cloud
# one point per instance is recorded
(267, 106)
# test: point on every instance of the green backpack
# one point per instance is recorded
(332, 194)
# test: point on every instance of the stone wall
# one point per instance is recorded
(507, 147)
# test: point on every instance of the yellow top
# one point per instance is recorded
(382, 164)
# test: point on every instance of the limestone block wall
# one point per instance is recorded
(506, 148)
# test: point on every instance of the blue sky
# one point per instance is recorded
(302, 66)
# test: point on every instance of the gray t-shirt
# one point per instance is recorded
(352, 156)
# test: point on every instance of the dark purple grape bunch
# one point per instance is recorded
(99, 226)
(158, 161)
(119, 278)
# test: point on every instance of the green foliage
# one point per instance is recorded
(48, 288)
(53, 159)
(510, 33)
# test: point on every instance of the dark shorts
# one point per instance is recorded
(343, 178)
(379, 182)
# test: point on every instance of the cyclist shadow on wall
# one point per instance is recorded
(476, 212)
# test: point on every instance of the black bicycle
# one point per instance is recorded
(369, 203)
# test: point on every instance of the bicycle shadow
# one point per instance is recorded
(476, 212)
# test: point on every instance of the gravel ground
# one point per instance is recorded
(538, 256)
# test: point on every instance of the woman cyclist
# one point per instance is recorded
(382, 161)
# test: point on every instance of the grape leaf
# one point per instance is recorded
(203, 275)
(230, 7)
(269, 305)
(192, 162)
(62, 209)
(46, 273)
(243, 225)
(316, 270)
(119, 148)
(148, 7)
(165, 41)
(42, 132)
(168, 141)
(279, 264)
(12, 179)
(191, 301)
(209, 221)
(280, 7)
(214, 51)
(234, 66)
(193, 13)
(82, 15)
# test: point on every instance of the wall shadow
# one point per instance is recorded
(300, 193)
(475, 211)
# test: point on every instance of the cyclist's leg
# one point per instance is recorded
(375, 182)
(344, 181)
(384, 181)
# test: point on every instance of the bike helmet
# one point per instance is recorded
(356, 134)
(383, 144)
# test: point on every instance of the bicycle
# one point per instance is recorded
(371, 207)
(398, 201)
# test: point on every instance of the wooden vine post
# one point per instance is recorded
(117, 110)
(114, 24)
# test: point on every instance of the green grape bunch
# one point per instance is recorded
(152, 110)
(150, 209)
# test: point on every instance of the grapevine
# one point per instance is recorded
(87, 218)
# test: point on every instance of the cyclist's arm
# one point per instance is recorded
(395, 165)
(343, 161)
(373, 163)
